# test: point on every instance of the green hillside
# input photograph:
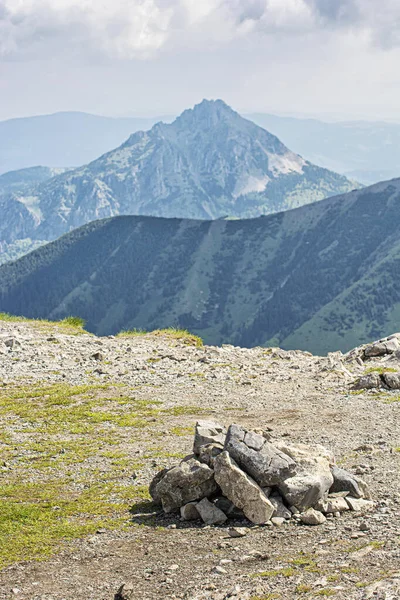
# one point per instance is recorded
(320, 277)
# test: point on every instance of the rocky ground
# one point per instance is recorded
(86, 423)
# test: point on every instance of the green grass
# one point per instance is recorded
(70, 324)
(172, 333)
(303, 588)
(267, 597)
(55, 490)
(380, 370)
(284, 572)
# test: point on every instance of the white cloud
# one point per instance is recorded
(140, 28)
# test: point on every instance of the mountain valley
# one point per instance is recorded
(320, 277)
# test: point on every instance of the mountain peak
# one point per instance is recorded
(208, 113)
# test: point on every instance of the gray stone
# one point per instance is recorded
(376, 349)
(277, 521)
(208, 432)
(153, 486)
(237, 532)
(359, 504)
(332, 505)
(267, 466)
(192, 480)
(232, 511)
(208, 453)
(369, 381)
(280, 509)
(312, 517)
(392, 345)
(210, 513)
(392, 380)
(189, 512)
(313, 479)
(304, 491)
(254, 440)
(305, 454)
(243, 491)
(343, 481)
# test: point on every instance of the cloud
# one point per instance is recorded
(141, 28)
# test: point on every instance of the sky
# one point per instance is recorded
(323, 58)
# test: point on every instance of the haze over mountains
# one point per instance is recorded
(366, 151)
(67, 139)
(321, 277)
(209, 163)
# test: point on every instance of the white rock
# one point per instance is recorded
(312, 517)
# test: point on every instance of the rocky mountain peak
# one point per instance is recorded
(208, 114)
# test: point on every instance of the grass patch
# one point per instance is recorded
(171, 333)
(69, 325)
(284, 572)
(181, 431)
(302, 588)
(267, 597)
(69, 473)
(380, 370)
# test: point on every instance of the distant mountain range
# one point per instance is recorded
(67, 139)
(320, 277)
(362, 150)
(366, 151)
(209, 163)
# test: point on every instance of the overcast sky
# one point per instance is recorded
(155, 57)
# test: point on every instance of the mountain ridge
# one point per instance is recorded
(209, 163)
(297, 279)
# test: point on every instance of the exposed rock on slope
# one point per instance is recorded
(208, 164)
(320, 277)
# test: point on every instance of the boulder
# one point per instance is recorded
(208, 432)
(392, 344)
(192, 480)
(189, 512)
(302, 453)
(243, 491)
(359, 504)
(153, 486)
(258, 457)
(369, 381)
(208, 453)
(343, 481)
(313, 479)
(376, 349)
(210, 514)
(304, 491)
(332, 505)
(392, 380)
(281, 511)
(312, 517)
(232, 511)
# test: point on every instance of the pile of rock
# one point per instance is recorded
(237, 473)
